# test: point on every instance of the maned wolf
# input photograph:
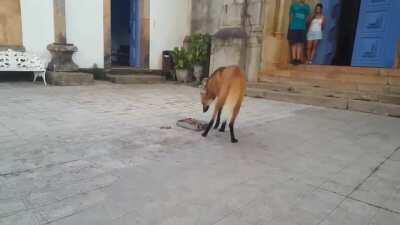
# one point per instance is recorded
(228, 86)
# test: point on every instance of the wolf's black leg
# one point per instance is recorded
(208, 128)
(218, 119)
(233, 139)
(222, 129)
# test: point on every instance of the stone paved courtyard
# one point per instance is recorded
(97, 156)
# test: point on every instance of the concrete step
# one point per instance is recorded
(135, 79)
(377, 96)
(326, 69)
(331, 101)
(394, 89)
(344, 70)
(69, 78)
(132, 71)
(293, 87)
(375, 108)
(376, 79)
(310, 81)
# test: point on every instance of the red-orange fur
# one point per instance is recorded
(228, 86)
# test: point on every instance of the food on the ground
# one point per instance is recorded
(192, 124)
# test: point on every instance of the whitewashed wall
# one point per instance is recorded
(169, 24)
(37, 26)
(85, 30)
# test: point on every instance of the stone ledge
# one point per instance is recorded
(375, 108)
(136, 79)
(69, 78)
(329, 102)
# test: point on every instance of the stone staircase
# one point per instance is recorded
(358, 89)
(128, 75)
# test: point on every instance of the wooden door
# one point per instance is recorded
(134, 59)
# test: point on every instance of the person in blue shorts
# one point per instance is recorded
(299, 13)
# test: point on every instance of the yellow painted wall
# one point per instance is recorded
(10, 23)
(275, 44)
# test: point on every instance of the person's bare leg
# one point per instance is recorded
(300, 52)
(314, 49)
(294, 52)
(309, 50)
(293, 48)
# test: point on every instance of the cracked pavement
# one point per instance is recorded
(97, 155)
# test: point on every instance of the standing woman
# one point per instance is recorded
(299, 13)
(314, 34)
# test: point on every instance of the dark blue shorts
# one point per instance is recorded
(297, 36)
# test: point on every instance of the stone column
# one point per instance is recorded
(254, 26)
(280, 30)
(227, 45)
(59, 22)
(62, 69)
(61, 52)
(275, 44)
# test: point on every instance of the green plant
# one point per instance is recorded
(199, 48)
(182, 58)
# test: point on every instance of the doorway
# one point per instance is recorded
(341, 18)
(360, 33)
(125, 33)
(347, 32)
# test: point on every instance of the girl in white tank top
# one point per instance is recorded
(316, 25)
(314, 34)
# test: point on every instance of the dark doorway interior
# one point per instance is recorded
(120, 32)
(347, 32)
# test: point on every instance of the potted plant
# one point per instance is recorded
(199, 51)
(182, 60)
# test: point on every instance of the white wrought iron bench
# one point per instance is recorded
(13, 61)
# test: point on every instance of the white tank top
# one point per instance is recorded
(316, 25)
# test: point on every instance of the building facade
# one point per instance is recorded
(360, 33)
(31, 25)
(250, 33)
(357, 62)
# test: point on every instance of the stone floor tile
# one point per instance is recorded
(98, 155)
(351, 213)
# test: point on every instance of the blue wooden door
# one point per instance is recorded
(134, 56)
(327, 46)
(377, 33)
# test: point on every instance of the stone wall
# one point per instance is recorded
(266, 26)
(230, 17)
(205, 15)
